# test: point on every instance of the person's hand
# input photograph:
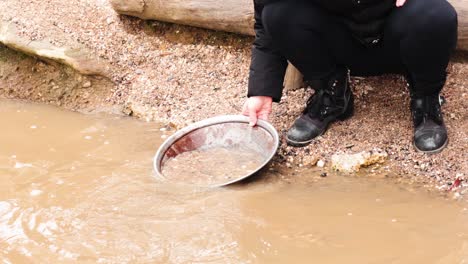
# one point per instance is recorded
(257, 107)
(400, 3)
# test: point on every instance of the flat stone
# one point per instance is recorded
(355, 161)
(79, 59)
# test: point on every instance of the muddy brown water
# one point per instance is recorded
(212, 166)
(80, 188)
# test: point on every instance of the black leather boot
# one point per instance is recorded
(430, 133)
(332, 100)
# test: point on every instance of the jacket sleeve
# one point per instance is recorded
(267, 67)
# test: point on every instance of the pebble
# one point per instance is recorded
(19, 165)
(139, 71)
(321, 163)
(86, 84)
(323, 174)
(35, 192)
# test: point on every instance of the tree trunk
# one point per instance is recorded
(227, 15)
(293, 78)
(462, 9)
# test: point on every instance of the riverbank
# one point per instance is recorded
(178, 75)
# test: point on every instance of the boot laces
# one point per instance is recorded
(324, 103)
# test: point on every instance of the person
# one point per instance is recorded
(327, 40)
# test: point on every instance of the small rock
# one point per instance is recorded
(321, 163)
(19, 165)
(309, 160)
(35, 192)
(86, 84)
(323, 175)
(139, 71)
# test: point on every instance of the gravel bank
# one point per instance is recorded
(172, 73)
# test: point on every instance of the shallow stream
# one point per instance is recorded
(77, 187)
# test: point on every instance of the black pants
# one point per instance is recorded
(418, 41)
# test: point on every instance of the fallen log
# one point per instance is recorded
(293, 78)
(235, 16)
(462, 9)
(228, 15)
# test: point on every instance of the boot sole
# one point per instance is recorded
(293, 143)
(435, 151)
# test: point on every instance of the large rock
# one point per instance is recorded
(354, 162)
(78, 59)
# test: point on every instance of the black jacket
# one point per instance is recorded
(364, 18)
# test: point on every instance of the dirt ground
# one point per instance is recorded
(176, 74)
